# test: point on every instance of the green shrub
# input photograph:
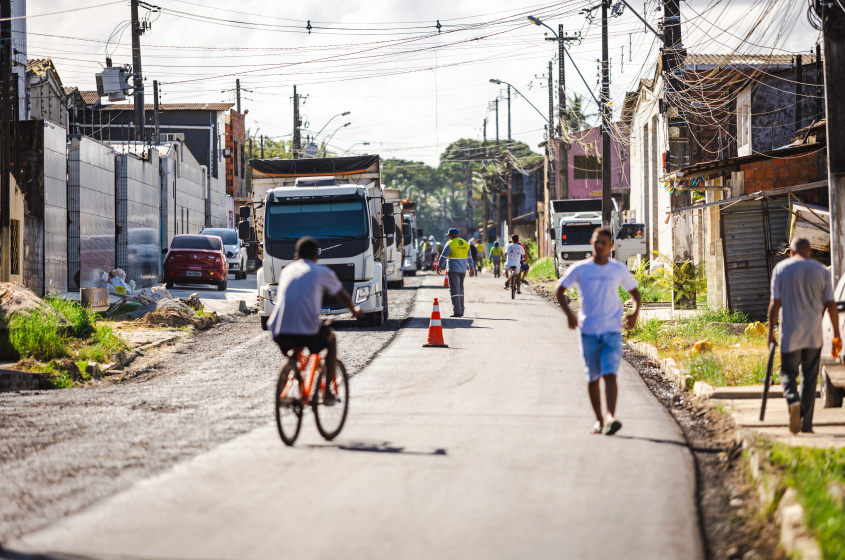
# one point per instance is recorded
(104, 343)
(543, 268)
(722, 315)
(38, 334)
(81, 319)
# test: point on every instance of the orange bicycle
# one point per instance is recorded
(294, 394)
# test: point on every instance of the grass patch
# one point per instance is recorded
(104, 342)
(40, 334)
(818, 475)
(543, 268)
(736, 359)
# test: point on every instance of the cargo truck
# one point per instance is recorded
(410, 233)
(573, 222)
(338, 201)
(395, 243)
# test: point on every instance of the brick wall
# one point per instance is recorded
(778, 173)
(236, 162)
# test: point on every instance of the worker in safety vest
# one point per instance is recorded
(456, 252)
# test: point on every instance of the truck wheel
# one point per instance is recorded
(168, 285)
(831, 396)
(375, 319)
(411, 273)
(264, 320)
(384, 303)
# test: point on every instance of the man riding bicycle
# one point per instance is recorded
(295, 321)
(513, 262)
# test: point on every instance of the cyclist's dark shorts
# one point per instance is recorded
(524, 266)
(314, 342)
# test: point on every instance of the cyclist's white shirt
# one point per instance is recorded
(513, 252)
(300, 296)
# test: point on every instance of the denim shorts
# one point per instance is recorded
(602, 353)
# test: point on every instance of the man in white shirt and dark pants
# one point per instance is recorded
(802, 290)
(600, 319)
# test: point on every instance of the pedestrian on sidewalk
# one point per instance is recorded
(801, 292)
(496, 259)
(456, 255)
(600, 319)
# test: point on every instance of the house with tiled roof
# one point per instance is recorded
(46, 97)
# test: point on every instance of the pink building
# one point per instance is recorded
(585, 164)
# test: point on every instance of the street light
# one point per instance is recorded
(499, 82)
(353, 145)
(326, 144)
(345, 113)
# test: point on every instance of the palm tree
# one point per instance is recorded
(578, 120)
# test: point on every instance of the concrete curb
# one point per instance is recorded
(668, 366)
(795, 536)
(13, 380)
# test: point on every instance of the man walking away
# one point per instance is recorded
(801, 291)
(600, 319)
(456, 254)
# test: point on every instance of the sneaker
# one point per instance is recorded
(795, 418)
(329, 399)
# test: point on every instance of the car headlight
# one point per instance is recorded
(391, 269)
(271, 294)
(566, 255)
(361, 294)
(407, 261)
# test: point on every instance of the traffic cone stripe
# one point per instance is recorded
(434, 323)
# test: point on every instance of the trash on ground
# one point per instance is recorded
(702, 346)
(757, 328)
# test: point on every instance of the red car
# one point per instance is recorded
(196, 259)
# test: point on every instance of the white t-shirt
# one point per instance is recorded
(600, 309)
(512, 254)
(300, 297)
(803, 286)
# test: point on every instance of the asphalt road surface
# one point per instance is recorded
(480, 450)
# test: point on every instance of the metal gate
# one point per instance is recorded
(753, 238)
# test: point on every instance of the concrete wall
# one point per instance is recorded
(137, 209)
(55, 208)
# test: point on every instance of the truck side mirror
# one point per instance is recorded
(389, 227)
(164, 250)
(243, 229)
(406, 229)
(387, 208)
(419, 232)
(552, 232)
(244, 212)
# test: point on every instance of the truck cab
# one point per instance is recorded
(344, 212)
(410, 262)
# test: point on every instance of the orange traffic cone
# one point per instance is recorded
(435, 329)
(446, 281)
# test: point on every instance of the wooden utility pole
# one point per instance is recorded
(799, 99)
(563, 160)
(509, 179)
(157, 137)
(6, 107)
(498, 150)
(238, 94)
(834, 83)
(510, 138)
(262, 146)
(606, 200)
(138, 73)
(469, 195)
(297, 139)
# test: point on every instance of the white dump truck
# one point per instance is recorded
(340, 203)
(573, 222)
(395, 243)
(410, 233)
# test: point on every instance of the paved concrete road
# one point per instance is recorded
(223, 302)
(480, 450)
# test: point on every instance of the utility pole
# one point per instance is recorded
(799, 100)
(297, 141)
(238, 94)
(469, 195)
(833, 19)
(606, 200)
(509, 178)
(157, 137)
(484, 211)
(262, 146)
(510, 138)
(137, 31)
(498, 150)
(485, 138)
(550, 141)
(819, 84)
(6, 106)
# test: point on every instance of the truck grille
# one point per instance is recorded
(344, 271)
(331, 302)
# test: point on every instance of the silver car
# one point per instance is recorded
(234, 248)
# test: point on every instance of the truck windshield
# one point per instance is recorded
(407, 236)
(576, 234)
(345, 219)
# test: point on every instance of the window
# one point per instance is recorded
(196, 242)
(587, 167)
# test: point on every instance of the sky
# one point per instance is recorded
(410, 88)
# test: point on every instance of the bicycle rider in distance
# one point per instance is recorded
(513, 262)
(295, 322)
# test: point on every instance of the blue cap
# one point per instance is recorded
(495, 244)
(452, 230)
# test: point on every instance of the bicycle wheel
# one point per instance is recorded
(514, 280)
(330, 419)
(288, 405)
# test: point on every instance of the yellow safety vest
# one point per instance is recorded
(497, 251)
(458, 248)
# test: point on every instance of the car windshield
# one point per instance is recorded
(229, 236)
(576, 234)
(199, 242)
(345, 219)
(407, 236)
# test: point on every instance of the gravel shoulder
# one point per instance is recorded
(63, 450)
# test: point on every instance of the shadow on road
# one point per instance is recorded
(6, 554)
(380, 447)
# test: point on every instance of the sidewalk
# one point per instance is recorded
(479, 450)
